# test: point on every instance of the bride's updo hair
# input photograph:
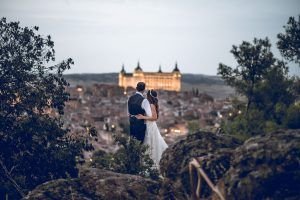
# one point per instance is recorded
(152, 98)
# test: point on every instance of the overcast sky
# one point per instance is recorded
(101, 35)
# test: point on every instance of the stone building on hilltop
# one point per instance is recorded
(154, 80)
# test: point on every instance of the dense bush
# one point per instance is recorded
(131, 158)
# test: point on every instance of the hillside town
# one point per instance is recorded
(103, 107)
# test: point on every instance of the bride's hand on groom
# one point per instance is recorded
(140, 116)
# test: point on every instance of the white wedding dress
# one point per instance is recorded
(155, 141)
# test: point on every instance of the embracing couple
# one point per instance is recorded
(143, 113)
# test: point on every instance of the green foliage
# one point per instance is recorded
(292, 118)
(275, 93)
(289, 42)
(102, 160)
(33, 146)
(257, 122)
(243, 127)
(270, 126)
(296, 86)
(131, 158)
(193, 126)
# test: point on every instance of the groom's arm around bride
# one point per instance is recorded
(138, 105)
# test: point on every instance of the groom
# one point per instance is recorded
(137, 104)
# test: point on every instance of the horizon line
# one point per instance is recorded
(94, 73)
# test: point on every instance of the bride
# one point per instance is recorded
(153, 139)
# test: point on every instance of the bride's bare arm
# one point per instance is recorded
(150, 118)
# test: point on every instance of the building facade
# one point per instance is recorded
(154, 80)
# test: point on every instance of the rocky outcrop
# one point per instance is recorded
(265, 167)
(175, 160)
(97, 184)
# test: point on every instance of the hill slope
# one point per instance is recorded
(113, 78)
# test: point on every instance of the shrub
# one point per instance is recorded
(131, 158)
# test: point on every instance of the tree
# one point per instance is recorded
(289, 42)
(264, 81)
(33, 143)
(253, 61)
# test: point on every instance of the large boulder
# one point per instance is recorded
(175, 160)
(63, 189)
(265, 167)
(97, 184)
(110, 185)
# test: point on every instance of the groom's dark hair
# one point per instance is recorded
(140, 86)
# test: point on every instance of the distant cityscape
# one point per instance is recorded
(104, 106)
